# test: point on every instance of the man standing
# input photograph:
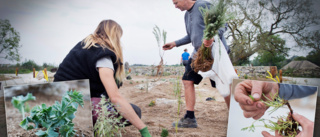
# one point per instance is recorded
(194, 27)
(185, 57)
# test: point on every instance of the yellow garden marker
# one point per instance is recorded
(45, 75)
(270, 77)
(36, 73)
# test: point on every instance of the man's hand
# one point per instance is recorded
(307, 127)
(254, 108)
(208, 43)
(169, 46)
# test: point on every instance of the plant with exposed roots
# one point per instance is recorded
(160, 36)
(214, 17)
(285, 125)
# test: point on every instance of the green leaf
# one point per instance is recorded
(18, 102)
(41, 133)
(52, 133)
(66, 131)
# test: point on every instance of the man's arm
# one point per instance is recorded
(183, 41)
(289, 91)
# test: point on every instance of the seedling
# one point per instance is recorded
(177, 92)
(109, 122)
(55, 119)
(160, 36)
(18, 102)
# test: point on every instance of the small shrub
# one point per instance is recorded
(164, 133)
(109, 122)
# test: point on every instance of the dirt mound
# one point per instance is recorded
(300, 65)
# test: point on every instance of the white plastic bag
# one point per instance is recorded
(222, 71)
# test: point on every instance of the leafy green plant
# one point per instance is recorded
(19, 103)
(56, 119)
(164, 133)
(109, 122)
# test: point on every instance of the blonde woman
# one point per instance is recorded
(99, 58)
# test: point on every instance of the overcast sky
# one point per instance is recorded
(50, 29)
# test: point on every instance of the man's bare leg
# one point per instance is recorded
(190, 95)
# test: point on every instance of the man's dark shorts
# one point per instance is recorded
(190, 75)
(185, 62)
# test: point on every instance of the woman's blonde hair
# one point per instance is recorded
(107, 35)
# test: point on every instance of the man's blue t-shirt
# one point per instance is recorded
(185, 56)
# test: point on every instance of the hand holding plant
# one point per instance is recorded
(214, 17)
(307, 127)
(254, 107)
(285, 125)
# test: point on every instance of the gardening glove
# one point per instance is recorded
(145, 132)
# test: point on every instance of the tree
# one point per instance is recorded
(9, 41)
(266, 58)
(30, 64)
(314, 57)
(273, 51)
(257, 21)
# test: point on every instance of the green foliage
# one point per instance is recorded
(286, 18)
(272, 51)
(164, 133)
(108, 123)
(152, 103)
(18, 102)
(9, 41)
(214, 17)
(300, 58)
(56, 119)
(30, 64)
(314, 57)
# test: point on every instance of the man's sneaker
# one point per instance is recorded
(186, 123)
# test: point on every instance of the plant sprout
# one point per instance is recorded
(18, 102)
